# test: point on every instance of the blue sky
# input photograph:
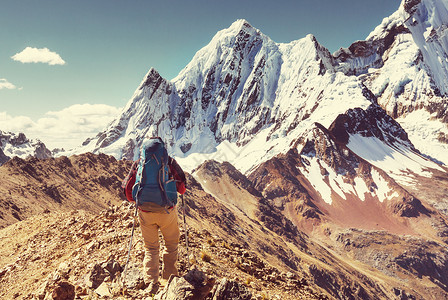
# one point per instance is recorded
(107, 46)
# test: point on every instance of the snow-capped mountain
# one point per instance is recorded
(404, 63)
(239, 92)
(12, 144)
(244, 98)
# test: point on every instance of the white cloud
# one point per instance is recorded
(15, 124)
(38, 55)
(5, 84)
(66, 128)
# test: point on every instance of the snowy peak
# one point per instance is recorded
(239, 39)
(152, 80)
(403, 63)
(149, 108)
(240, 27)
(360, 56)
(372, 122)
(404, 57)
(428, 22)
(241, 24)
(410, 6)
(414, 63)
(19, 145)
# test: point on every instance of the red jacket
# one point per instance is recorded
(178, 175)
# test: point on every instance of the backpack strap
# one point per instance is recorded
(163, 176)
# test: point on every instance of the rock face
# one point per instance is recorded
(372, 122)
(102, 271)
(228, 289)
(3, 157)
(64, 291)
(196, 285)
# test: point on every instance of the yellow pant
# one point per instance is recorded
(150, 223)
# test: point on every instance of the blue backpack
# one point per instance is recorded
(154, 189)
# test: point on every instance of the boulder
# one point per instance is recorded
(194, 285)
(231, 290)
(64, 291)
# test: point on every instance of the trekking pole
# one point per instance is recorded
(185, 231)
(130, 244)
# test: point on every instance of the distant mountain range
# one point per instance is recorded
(19, 145)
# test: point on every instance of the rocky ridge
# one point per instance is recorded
(32, 186)
(271, 244)
(84, 254)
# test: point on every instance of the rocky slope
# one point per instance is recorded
(87, 253)
(395, 237)
(321, 177)
(329, 191)
(33, 186)
(237, 231)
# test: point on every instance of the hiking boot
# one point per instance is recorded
(163, 283)
(153, 287)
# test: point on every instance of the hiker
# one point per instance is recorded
(158, 178)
